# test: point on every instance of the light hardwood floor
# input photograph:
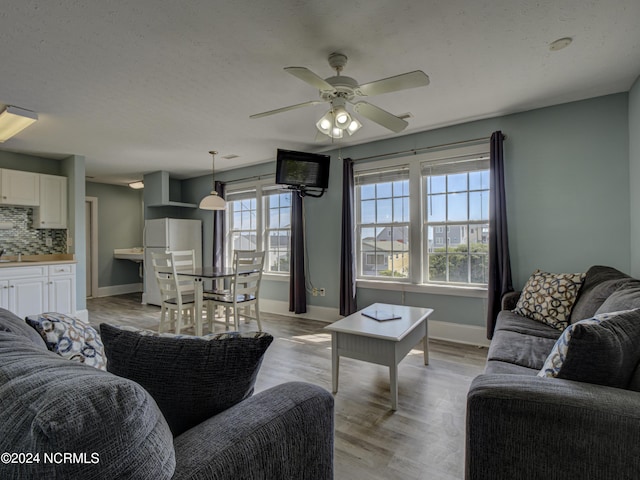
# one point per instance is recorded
(423, 439)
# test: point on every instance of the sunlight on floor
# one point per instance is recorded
(313, 338)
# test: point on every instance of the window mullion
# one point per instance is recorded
(416, 235)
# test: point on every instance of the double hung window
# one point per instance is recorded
(383, 223)
(424, 219)
(456, 220)
(259, 218)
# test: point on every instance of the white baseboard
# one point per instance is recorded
(82, 315)
(438, 330)
(324, 314)
(119, 289)
(458, 333)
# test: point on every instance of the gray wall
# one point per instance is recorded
(567, 170)
(73, 168)
(120, 225)
(634, 175)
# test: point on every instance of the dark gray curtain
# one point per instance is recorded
(499, 260)
(347, 260)
(297, 284)
(218, 230)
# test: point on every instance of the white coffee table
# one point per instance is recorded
(380, 342)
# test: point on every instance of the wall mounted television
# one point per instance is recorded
(300, 170)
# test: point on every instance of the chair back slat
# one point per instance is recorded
(172, 286)
(248, 266)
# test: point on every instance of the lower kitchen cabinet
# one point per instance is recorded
(62, 288)
(34, 289)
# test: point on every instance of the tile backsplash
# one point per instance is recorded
(25, 239)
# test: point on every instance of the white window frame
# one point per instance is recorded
(267, 229)
(391, 225)
(417, 234)
(260, 187)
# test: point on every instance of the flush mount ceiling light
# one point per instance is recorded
(13, 120)
(137, 185)
(213, 201)
(560, 44)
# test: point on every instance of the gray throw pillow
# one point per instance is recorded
(626, 297)
(602, 350)
(53, 406)
(191, 378)
(10, 322)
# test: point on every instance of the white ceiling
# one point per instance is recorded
(143, 85)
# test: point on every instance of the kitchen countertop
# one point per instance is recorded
(135, 254)
(28, 260)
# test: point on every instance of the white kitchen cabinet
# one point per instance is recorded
(52, 212)
(30, 290)
(28, 296)
(19, 188)
(4, 294)
(62, 288)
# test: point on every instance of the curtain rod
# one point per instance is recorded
(413, 150)
(416, 150)
(255, 177)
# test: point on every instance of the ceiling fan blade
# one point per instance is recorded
(392, 84)
(286, 109)
(311, 78)
(380, 116)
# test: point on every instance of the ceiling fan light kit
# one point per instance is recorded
(340, 90)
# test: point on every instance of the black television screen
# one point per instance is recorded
(302, 169)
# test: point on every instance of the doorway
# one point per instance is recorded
(91, 241)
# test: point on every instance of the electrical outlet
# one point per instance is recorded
(314, 292)
(48, 241)
(322, 292)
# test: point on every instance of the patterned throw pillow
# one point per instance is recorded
(70, 338)
(549, 297)
(190, 378)
(600, 350)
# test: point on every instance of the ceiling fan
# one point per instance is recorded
(341, 90)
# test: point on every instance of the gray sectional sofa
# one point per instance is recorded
(62, 419)
(523, 426)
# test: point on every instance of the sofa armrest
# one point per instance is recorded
(539, 428)
(285, 432)
(510, 300)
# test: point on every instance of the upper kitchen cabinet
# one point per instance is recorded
(53, 203)
(19, 188)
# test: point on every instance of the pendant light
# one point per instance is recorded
(213, 201)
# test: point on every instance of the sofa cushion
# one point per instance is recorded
(10, 322)
(51, 405)
(70, 338)
(500, 367)
(599, 283)
(191, 378)
(626, 297)
(549, 297)
(517, 323)
(602, 350)
(634, 384)
(520, 349)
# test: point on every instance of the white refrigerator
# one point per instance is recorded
(164, 234)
